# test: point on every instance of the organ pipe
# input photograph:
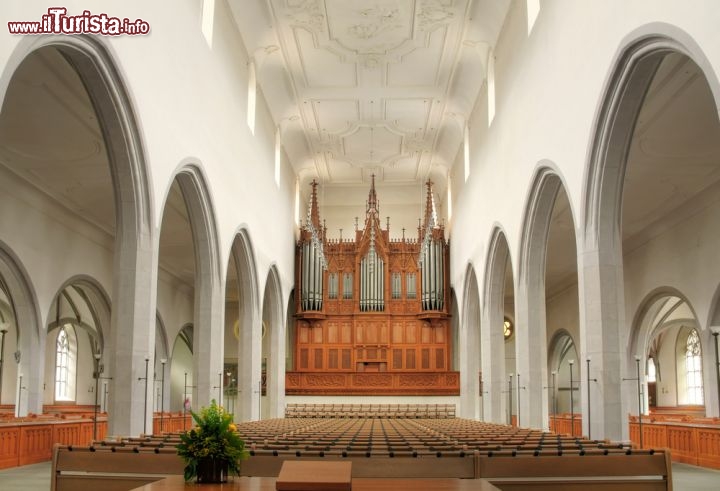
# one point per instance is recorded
(372, 283)
(433, 276)
(312, 278)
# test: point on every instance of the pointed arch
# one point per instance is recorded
(601, 288)
(471, 348)
(15, 282)
(95, 64)
(161, 335)
(79, 290)
(23, 335)
(530, 312)
(493, 345)
(242, 255)
(273, 343)
(651, 314)
(208, 310)
(634, 66)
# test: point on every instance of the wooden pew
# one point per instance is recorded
(110, 469)
(268, 464)
(637, 471)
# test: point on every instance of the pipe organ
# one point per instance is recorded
(372, 313)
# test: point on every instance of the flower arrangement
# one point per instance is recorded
(212, 443)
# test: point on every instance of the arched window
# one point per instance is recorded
(693, 368)
(64, 366)
(651, 370)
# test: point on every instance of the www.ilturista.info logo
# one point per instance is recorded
(56, 21)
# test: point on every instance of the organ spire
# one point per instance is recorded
(314, 209)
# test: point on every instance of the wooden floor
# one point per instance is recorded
(173, 483)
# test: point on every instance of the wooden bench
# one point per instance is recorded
(576, 471)
(110, 469)
(423, 466)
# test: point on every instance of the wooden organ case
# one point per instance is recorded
(372, 313)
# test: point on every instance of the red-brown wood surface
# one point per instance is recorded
(690, 443)
(406, 348)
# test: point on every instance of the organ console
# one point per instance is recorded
(371, 311)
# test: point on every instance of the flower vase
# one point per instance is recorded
(212, 471)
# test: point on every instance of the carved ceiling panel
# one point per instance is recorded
(370, 79)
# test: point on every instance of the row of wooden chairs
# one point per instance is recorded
(388, 436)
(413, 411)
(405, 435)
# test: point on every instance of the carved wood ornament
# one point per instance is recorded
(372, 313)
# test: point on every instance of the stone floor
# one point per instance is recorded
(36, 477)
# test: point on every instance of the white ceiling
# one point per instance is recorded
(361, 88)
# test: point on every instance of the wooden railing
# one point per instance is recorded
(171, 423)
(566, 424)
(30, 440)
(689, 442)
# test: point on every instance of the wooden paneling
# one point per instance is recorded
(369, 383)
(410, 359)
(708, 445)
(332, 332)
(36, 441)
(9, 446)
(566, 424)
(689, 443)
(346, 333)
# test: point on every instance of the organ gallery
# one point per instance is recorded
(372, 313)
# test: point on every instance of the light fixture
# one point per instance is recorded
(508, 328)
(162, 394)
(97, 357)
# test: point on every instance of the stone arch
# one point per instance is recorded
(666, 310)
(242, 259)
(555, 351)
(290, 332)
(273, 344)
(641, 328)
(530, 301)
(471, 352)
(82, 304)
(23, 311)
(455, 324)
(208, 305)
(493, 345)
(161, 335)
(98, 302)
(96, 66)
(601, 286)
(558, 358)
